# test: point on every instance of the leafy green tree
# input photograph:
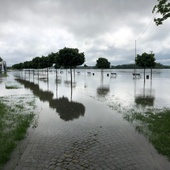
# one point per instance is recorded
(145, 61)
(52, 59)
(44, 62)
(36, 63)
(69, 58)
(18, 66)
(163, 8)
(27, 64)
(102, 63)
(1, 59)
(85, 65)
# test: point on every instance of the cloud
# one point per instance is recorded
(106, 28)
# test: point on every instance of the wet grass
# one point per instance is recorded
(14, 121)
(3, 74)
(155, 125)
(12, 87)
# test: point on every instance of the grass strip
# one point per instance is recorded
(155, 125)
(13, 128)
(12, 87)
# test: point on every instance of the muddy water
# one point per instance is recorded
(94, 102)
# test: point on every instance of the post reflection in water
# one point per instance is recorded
(103, 90)
(147, 97)
(67, 110)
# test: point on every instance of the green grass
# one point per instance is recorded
(155, 125)
(3, 74)
(12, 87)
(13, 126)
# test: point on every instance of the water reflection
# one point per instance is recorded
(146, 98)
(70, 83)
(120, 93)
(103, 90)
(68, 110)
(58, 81)
(43, 95)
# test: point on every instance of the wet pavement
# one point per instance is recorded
(98, 138)
(88, 144)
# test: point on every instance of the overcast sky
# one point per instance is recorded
(99, 28)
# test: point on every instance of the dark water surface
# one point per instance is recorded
(92, 106)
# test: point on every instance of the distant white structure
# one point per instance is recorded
(3, 66)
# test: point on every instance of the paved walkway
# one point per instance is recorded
(92, 143)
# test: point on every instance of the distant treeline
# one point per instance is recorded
(123, 66)
(132, 66)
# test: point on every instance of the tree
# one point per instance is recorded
(69, 58)
(145, 61)
(102, 63)
(18, 66)
(36, 63)
(52, 58)
(1, 59)
(163, 8)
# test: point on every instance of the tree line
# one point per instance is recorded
(71, 57)
(66, 57)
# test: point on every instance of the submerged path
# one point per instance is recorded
(101, 140)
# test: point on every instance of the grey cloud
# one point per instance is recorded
(38, 27)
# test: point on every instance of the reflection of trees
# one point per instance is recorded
(146, 98)
(69, 83)
(68, 110)
(43, 95)
(58, 81)
(103, 90)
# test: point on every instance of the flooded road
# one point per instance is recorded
(80, 126)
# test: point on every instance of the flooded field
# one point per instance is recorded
(121, 92)
(89, 111)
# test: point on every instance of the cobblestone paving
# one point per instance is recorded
(80, 145)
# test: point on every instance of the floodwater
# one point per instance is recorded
(95, 98)
(121, 92)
